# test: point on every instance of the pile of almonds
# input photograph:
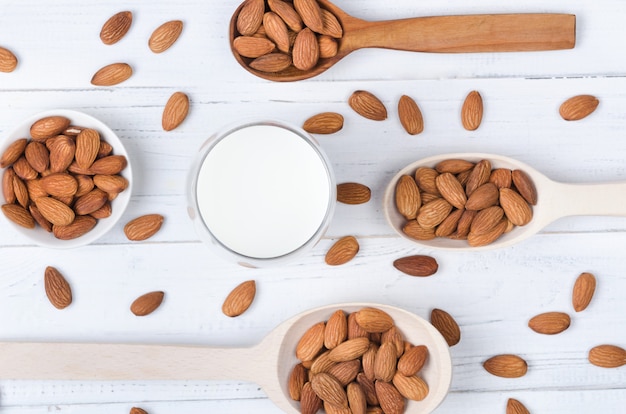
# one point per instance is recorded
(276, 35)
(63, 178)
(464, 200)
(357, 362)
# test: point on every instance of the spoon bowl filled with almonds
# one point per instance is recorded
(66, 178)
(474, 201)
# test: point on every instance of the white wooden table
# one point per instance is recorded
(492, 295)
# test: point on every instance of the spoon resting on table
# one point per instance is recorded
(438, 34)
(554, 200)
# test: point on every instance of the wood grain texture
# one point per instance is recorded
(492, 295)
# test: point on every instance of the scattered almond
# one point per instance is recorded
(342, 251)
(550, 323)
(417, 265)
(324, 123)
(143, 227)
(147, 303)
(368, 105)
(472, 111)
(578, 107)
(353, 193)
(513, 406)
(506, 366)
(111, 75)
(165, 36)
(239, 299)
(410, 115)
(175, 111)
(607, 356)
(584, 289)
(57, 288)
(116, 27)
(8, 61)
(446, 325)
(137, 410)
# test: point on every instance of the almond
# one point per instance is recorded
(296, 381)
(550, 323)
(311, 14)
(103, 212)
(48, 127)
(410, 115)
(57, 288)
(8, 61)
(478, 176)
(35, 189)
(407, 197)
(464, 225)
(451, 190)
(446, 325)
(342, 251)
(37, 156)
(330, 25)
(385, 362)
(415, 231)
(486, 220)
(305, 52)
(584, 288)
(110, 183)
(239, 299)
(276, 30)
(483, 239)
(147, 303)
(411, 387)
(253, 47)
(373, 320)
(367, 105)
(164, 36)
(109, 165)
(356, 399)
(250, 17)
(353, 193)
(578, 107)
(59, 184)
(311, 342)
(55, 211)
(87, 147)
(501, 177)
(13, 152)
(349, 350)
(22, 169)
(506, 366)
(433, 213)
(368, 388)
(90, 202)
(524, 186)
(345, 371)
(137, 410)
(607, 356)
(413, 360)
(513, 406)
(336, 329)
(450, 224)
(328, 46)
(354, 329)
(85, 184)
(143, 227)
(321, 363)
(324, 123)
(39, 219)
(368, 361)
(453, 166)
(310, 403)
(62, 151)
(271, 63)
(287, 13)
(21, 191)
(8, 190)
(515, 207)
(111, 75)
(417, 265)
(77, 228)
(105, 149)
(18, 215)
(114, 29)
(390, 399)
(472, 111)
(426, 179)
(175, 111)
(487, 195)
(329, 389)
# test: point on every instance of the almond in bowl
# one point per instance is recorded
(66, 179)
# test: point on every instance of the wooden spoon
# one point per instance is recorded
(441, 34)
(268, 363)
(554, 200)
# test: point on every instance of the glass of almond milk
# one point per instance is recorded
(261, 193)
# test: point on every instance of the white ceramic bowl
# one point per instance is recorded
(261, 192)
(38, 235)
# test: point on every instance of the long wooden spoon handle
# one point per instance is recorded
(78, 361)
(469, 33)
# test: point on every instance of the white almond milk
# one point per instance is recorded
(263, 191)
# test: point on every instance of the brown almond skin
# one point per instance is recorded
(513, 406)
(165, 36)
(175, 111)
(324, 123)
(407, 197)
(472, 111)
(143, 227)
(287, 13)
(524, 186)
(310, 403)
(55, 211)
(8, 60)
(584, 289)
(18, 215)
(87, 147)
(417, 265)
(111, 75)
(57, 288)
(607, 356)
(515, 207)
(305, 53)
(373, 320)
(250, 17)
(410, 115)
(413, 360)
(353, 193)
(446, 325)
(109, 165)
(311, 342)
(411, 387)
(37, 156)
(391, 401)
(48, 127)
(297, 379)
(550, 323)
(578, 107)
(77, 228)
(253, 47)
(90, 202)
(336, 329)
(272, 62)
(239, 299)
(329, 389)
(310, 13)
(147, 303)
(13, 152)
(342, 251)
(367, 105)
(116, 27)
(506, 366)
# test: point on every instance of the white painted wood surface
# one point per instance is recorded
(491, 294)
